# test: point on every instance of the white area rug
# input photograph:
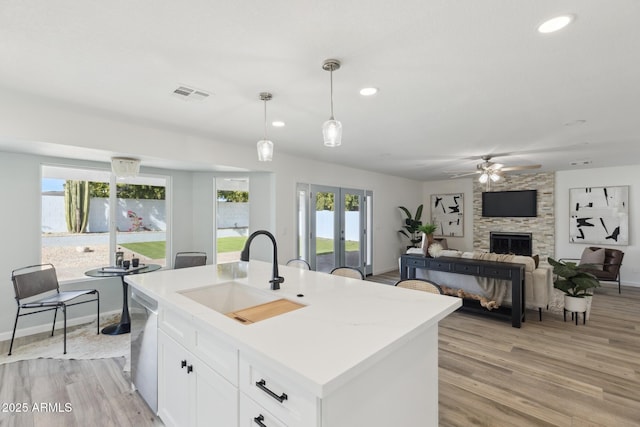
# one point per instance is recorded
(82, 343)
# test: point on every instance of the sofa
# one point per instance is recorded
(538, 281)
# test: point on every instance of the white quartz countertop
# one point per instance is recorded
(346, 326)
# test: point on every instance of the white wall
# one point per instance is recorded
(464, 186)
(600, 177)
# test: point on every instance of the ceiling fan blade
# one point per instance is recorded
(519, 168)
(497, 166)
(461, 174)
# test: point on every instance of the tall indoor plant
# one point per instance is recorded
(574, 282)
(411, 225)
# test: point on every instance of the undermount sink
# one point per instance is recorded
(229, 297)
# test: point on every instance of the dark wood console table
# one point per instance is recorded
(474, 267)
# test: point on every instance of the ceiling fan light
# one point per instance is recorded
(265, 150)
(483, 178)
(494, 177)
(332, 132)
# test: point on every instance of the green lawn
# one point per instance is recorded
(231, 244)
(153, 250)
(325, 246)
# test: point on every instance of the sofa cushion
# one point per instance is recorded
(590, 256)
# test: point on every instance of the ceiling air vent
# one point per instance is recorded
(190, 94)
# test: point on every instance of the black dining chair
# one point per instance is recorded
(189, 259)
(37, 290)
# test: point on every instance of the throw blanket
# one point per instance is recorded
(494, 290)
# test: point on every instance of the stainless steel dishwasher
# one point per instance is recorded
(144, 347)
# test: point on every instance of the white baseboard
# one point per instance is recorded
(46, 327)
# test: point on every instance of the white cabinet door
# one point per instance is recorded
(191, 393)
(173, 382)
(215, 400)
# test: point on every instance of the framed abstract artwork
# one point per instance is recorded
(447, 212)
(599, 215)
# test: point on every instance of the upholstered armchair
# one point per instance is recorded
(604, 263)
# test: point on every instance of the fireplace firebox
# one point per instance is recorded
(511, 243)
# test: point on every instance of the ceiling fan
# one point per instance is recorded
(491, 171)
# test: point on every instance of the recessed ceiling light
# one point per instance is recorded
(555, 24)
(277, 124)
(368, 91)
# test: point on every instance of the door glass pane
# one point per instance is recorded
(141, 219)
(302, 225)
(232, 218)
(325, 231)
(351, 238)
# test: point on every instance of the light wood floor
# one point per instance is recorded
(548, 373)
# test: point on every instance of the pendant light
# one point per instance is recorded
(332, 129)
(265, 147)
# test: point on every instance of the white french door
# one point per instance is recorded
(334, 227)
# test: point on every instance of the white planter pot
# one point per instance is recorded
(574, 304)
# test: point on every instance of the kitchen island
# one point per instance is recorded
(357, 353)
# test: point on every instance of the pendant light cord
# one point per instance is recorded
(265, 120)
(331, 78)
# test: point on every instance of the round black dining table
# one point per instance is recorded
(124, 325)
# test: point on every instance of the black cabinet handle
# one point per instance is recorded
(259, 420)
(189, 369)
(183, 364)
(262, 385)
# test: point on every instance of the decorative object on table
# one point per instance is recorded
(126, 264)
(576, 284)
(411, 224)
(427, 233)
(599, 215)
(447, 212)
(435, 250)
(135, 262)
(119, 258)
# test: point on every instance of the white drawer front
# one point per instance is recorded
(177, 326)
(219, 354)
(254, 415)
(293, 405)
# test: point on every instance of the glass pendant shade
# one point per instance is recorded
(332, 132)
(494, 177)
(265, 147)
(483, 178)
(265, 150)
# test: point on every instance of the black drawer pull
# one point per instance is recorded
(259, 420)
(262, 385)
(183, 364)
(189, 369)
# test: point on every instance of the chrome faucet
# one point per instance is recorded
(244, 256)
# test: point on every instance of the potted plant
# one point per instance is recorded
(428, 230)
(575, 283)
(411, 225)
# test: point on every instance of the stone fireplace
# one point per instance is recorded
(541, 228)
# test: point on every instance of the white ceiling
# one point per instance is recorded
(457, 79)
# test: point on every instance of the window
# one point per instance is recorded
(87, 215)
(232, 217)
